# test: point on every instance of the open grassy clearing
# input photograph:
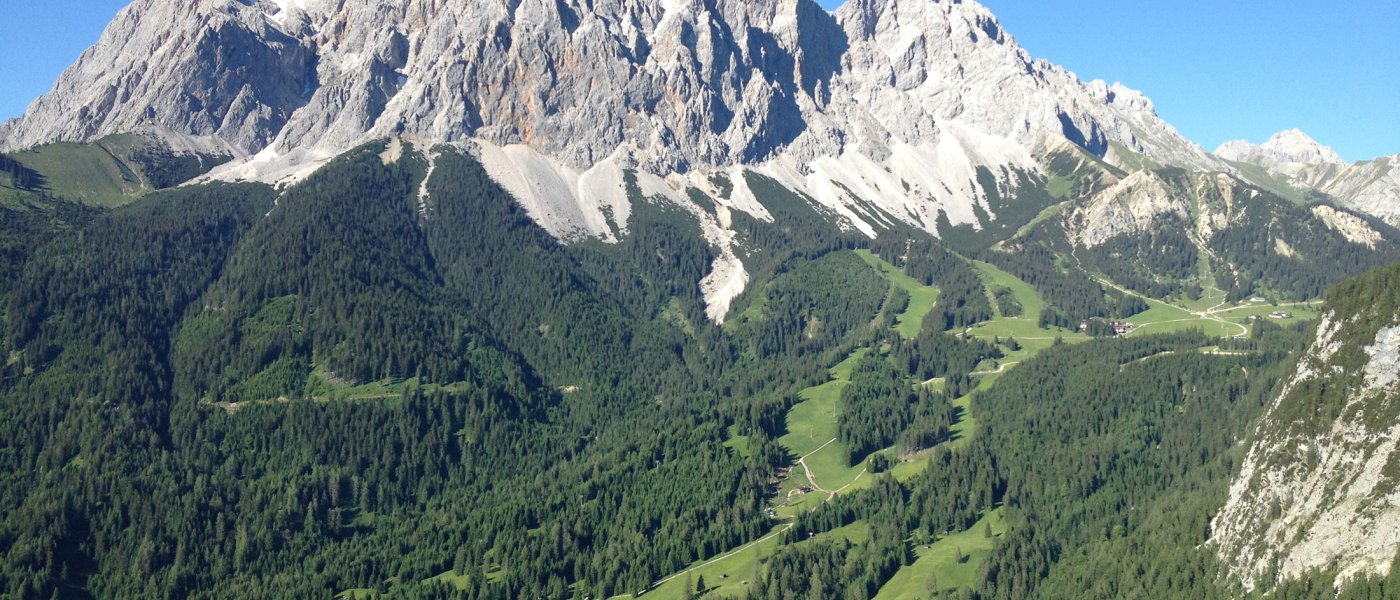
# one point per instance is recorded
(966, 427)
(726, 575)
(1297, 312)
(1211, 297)
(1025, 329)
(738, 443)
(811, 438)
(730, 574)
(1222, 321)
(90, 173)
(324, 387)
(1210, 327)
(1031, 301)
(812, 422)
(938, 563)
(921, 297)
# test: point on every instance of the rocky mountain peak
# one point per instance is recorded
(1283, 148)
(1296, 146)
(896, 102)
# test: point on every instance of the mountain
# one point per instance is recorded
(1295, 165)
(1318, 487)
(896, 100)
(564, 298)
(1291, 147)
(1154, 231)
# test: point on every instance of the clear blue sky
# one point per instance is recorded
(40, 38)
(1217, 69)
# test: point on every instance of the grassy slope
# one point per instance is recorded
(88, 173)
(811, 435)
(921, 297)
(1166, 318)
(1025, 328)
(938, 561)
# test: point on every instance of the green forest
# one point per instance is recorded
(343, 388)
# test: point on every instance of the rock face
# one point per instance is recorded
(1134, 206)
(1321, 484)
(205, 71)
(903, 99)
(1371, 186)
(1293, 159)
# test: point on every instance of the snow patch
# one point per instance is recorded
(285, 9)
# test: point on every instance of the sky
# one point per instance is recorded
(1216, 69)
(39, 39)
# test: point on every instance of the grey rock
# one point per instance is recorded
(204, 69)
(1322, 493)
(680, 85)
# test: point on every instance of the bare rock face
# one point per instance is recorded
(1200, 204)
(895, 104)
(1318, 488)
(676, 86)
(1133, 206)
(1284, 148)
(215, 70)
(1371, 186)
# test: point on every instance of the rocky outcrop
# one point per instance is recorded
(1372, 187)
(1201, 204)
(1320, 487)
(208, 70)
(1136, 205)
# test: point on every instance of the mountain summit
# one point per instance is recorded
(899, 101)
(1285, 147)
